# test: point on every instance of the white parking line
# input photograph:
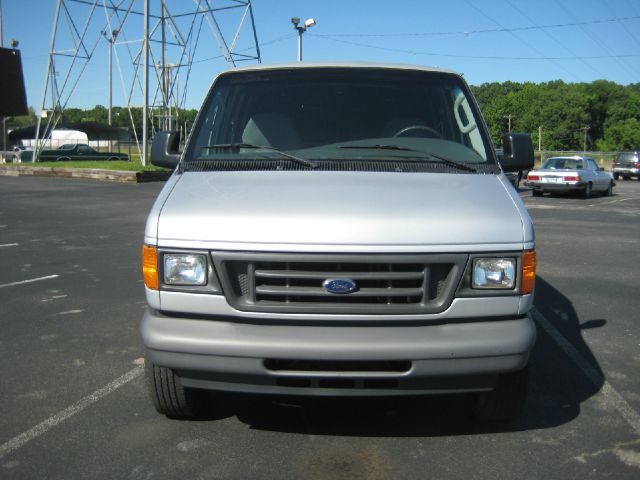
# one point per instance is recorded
(610, 202)
(10, 245)
(39, 279)
(611, 397)
(19, 441)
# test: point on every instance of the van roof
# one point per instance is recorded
(380, 65)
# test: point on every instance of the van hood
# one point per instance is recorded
(341, 211)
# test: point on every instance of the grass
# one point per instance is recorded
(132, 166)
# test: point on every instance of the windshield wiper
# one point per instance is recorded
(443, 160)
(238, 146)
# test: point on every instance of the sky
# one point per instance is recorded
(486, 40)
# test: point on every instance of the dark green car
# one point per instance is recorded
(80, 151)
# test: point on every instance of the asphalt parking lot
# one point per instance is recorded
(73, 402)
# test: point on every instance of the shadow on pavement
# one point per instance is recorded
(557, 388)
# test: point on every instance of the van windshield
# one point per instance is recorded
(339, 114)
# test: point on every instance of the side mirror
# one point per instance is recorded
(518, 152)
(165, 149)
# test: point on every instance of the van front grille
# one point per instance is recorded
(380, 284)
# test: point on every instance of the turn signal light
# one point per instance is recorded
(571, 178)
(150, 267)
(529, 261)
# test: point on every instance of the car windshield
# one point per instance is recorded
(627, 157)
(340, 114)
(563, 164)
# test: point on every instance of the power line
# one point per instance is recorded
(529, 45)
(480, 31)
(595, 39)
(260, 44)
(478, 57)
(552, 37)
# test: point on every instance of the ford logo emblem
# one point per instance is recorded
(339, 285)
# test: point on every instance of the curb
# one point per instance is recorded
(90, 173)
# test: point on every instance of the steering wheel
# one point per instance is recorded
(404, 130)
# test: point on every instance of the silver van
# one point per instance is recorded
(339, 230)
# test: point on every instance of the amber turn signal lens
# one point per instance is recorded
(150, 266)
(528, 272)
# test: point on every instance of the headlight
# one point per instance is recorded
(494, 273)
(185, 269)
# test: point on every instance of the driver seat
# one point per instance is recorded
(271, 129)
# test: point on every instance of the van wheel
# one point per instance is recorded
(168, 395)
(505, 402)
(536, 193)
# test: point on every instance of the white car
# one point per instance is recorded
(570, 174)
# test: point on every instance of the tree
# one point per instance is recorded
(621, 135)
(23, 120)
(609, 110)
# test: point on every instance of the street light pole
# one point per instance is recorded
(301, 29)
(111, 38)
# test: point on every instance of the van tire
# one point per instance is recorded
(168, 395)
(505, 402)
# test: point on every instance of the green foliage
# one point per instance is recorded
(610, 111)
(23, 121)
(120, 117)
(621, 135)
(133, 166)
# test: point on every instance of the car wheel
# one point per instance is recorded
(63, 159)
(586, 193)
(626, 177)
(537, 193)
(609, 191)
(616, 176)
(505, 402)
(168, 395)
(113, 158)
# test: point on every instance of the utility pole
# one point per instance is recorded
(509, 117)
(540, 138)
(584, 144)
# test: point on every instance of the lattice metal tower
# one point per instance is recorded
(169, 37)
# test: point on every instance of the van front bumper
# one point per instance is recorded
(294, 359)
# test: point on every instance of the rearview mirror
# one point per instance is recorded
(165, 149)
(518, 152)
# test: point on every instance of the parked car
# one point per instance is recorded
(339, 229)
(79, 151)
(570, 174)
(626, 165)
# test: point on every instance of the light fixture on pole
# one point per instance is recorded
(301, 29)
